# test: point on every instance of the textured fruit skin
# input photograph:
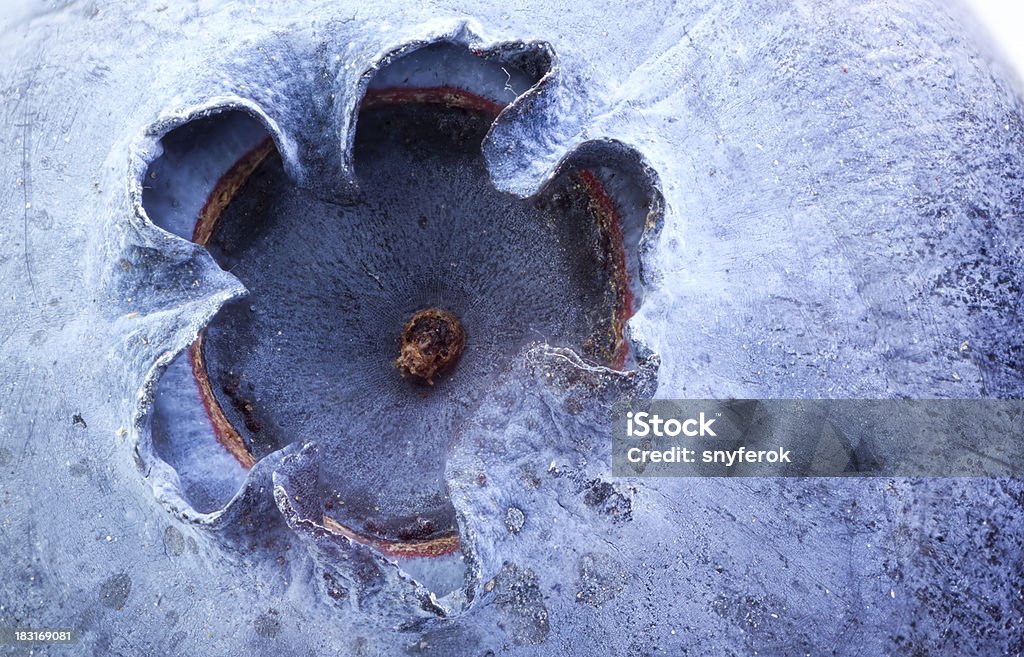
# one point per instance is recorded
(842, 219)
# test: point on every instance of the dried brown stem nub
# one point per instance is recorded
(433, 339)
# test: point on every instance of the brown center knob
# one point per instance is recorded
(432, 340)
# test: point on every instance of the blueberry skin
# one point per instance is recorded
(842, 219)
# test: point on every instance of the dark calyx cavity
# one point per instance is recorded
(427, 253)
